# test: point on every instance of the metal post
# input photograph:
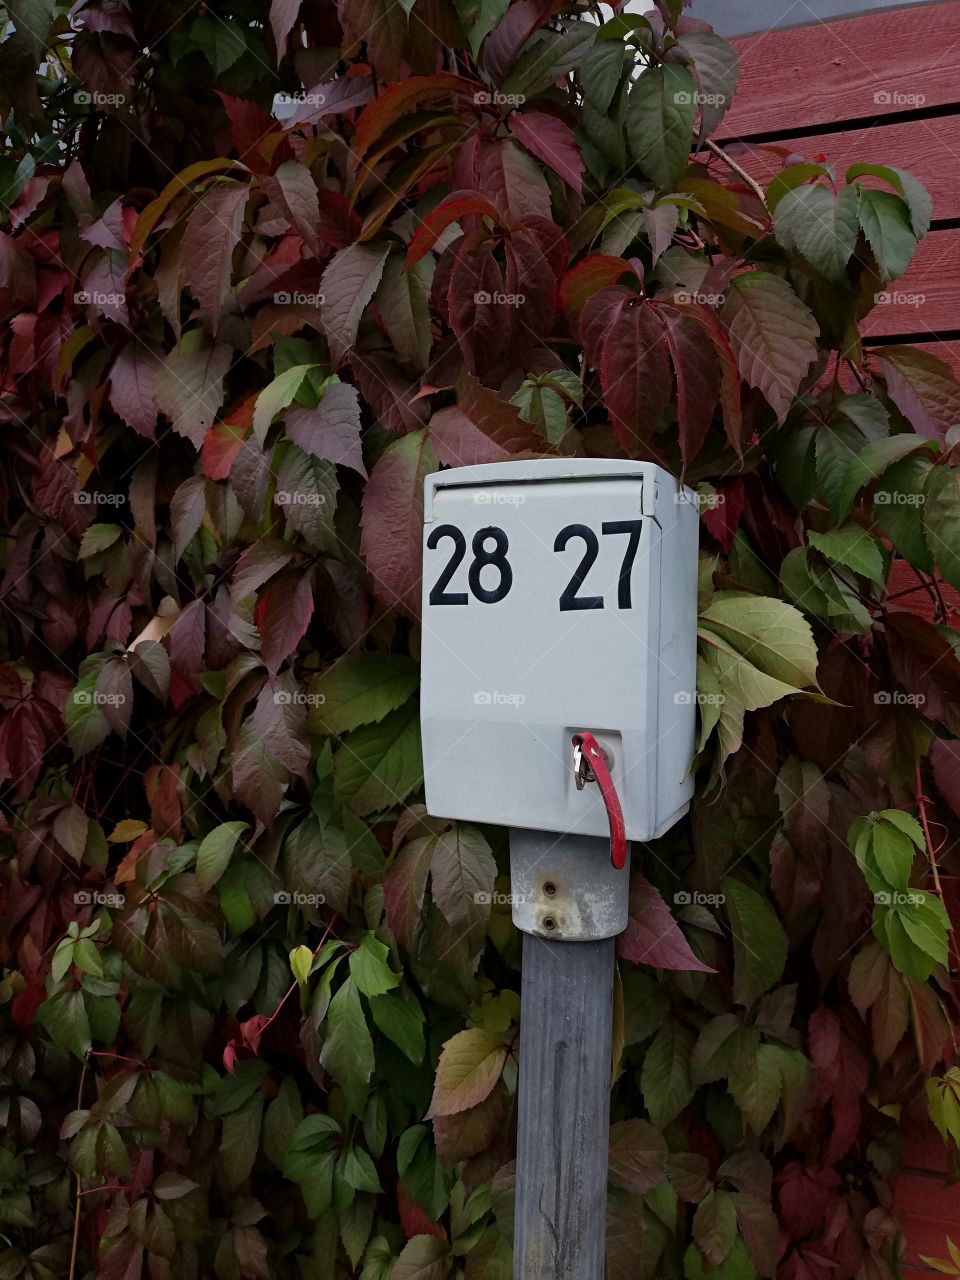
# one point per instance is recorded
(564, 1109)
(570, 903)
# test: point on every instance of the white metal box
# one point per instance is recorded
(559, 595)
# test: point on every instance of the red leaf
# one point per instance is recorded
(652, 935)
(230, 1056)
(249, 126)
(399, 98)
(334, 97)
(221, 445)
(331, 431)
(348, 283)
(294, 192)
(552, 142)
(723, 519)
(533, 285)
(283, 614)
(924, 662)
(454, 208)
(404, 886)
(516, 185)
(392, 521)
(212, 234)
(477, 308)
(945, 758)
(413, 1219)
(283, 14)
(697, 376)
(133, 379)
(480, 427)
(634, 373)
(581, 282)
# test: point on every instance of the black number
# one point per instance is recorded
(633, 528)
(570, 599)
(497, 557)
(439, 593)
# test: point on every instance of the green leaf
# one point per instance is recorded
(665, 1077)
(899, 509)
(240, 1140)
(358, 1171)
(97, 538)
(463, 872)
(773, 335)
(821, 226)
(941, 521)
(469, 1067)
(422, 1258)
(400, 1018)
(379, 765)
(918, 198)
(369, 968)
(659, 125)
(854, 547)
(871, 462)
(314, 1136)
(301, 962)
(215, 852)
(769, 634)
(361, 688)
(638, 1156)
(715, 1226)
(348, 1049)
(277, 395)
(757, 1086)
(478, 18)
(885, 220)
(759, 942)
(64, 1016)
(86, 724)
(600, 73)
(716, 64)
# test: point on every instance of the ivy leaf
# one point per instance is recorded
(240, 1140)
(348, 1048)
(403, 302)
(212, 234)
(886, 224)
(392, 521)
(867, 464)
(665, 1076)
(919, 200)
(215, 852)
(480, 427)
(716, 64)
(307, 494)
(422, 1258)
(470, 1065)
(715, 1226)
(361, 688)
(133, 380)
(659, 124)
(404, 886)
(773, 335)
(769, 634)
(348, 283)
(331, 431)
(283, 614)
(463, 873)
(189, 386)
(276, 396)
(64, 1017)
(553, 144)
(378, 765)
(941, 522)
(652, 935)
(821, 226)
(638, 1156)
(400, 1018)
(922, 386)
(759, 942)
(853, 547)
(634, 372)
(369, 969)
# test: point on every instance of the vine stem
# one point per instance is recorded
(75, 1245)
(293, 986)
(741, 173)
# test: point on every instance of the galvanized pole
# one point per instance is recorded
(570, 903)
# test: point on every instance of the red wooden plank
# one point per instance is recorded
(925, 301)
(855, 68)
(929, 149)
